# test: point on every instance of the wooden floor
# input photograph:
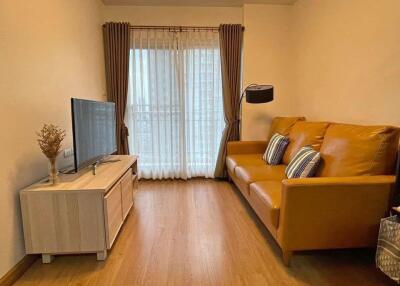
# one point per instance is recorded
(202, 232)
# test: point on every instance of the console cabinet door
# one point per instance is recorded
(127, 192)
(113, 213)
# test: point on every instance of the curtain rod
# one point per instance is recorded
(179, 28)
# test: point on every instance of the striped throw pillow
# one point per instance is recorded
(304, 164)
(275, 149)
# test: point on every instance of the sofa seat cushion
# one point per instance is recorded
(282, 125)
(354, 150)
(265, 196)
(232, 161)
(304, 133)
(251, 174)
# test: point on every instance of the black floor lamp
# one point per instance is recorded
(255, 94)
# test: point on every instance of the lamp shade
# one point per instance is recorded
(259, 93)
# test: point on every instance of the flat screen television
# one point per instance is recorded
(94, 134)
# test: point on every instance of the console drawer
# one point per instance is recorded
(127, 193)
(113, 213)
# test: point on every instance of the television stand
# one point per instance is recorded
(81, 214)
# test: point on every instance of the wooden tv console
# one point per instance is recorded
(81, 214)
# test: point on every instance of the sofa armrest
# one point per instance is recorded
(246, 147)
(333, 212)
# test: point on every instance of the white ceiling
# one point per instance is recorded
(216, 3)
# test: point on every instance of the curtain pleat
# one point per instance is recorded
(116, 50)
(175, 109)
(231, 39)
(204, 109)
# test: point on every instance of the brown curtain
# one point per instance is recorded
(231, 39)
(116, 50)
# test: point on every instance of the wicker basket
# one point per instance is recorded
(388, 250)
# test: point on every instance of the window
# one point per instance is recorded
(175, 110)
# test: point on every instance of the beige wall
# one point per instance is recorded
(50, 50)
(185, 16)
(347, 60)
(328, 60)
(266, 60)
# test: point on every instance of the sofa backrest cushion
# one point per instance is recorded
(354, 150)
(304, 133)
(282, 125)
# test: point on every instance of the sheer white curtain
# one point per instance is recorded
(174, 111)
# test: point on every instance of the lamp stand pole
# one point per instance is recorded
(241, 109)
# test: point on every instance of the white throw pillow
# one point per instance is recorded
(304, 164)
(275, 149)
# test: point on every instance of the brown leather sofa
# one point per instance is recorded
(339, 208)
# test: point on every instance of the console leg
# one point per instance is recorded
(102, 255)
(286, 255)
(47, 258)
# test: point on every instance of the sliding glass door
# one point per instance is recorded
(174, 111)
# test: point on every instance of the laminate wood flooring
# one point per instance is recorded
(201, 232)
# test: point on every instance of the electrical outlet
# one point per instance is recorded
(68, 152)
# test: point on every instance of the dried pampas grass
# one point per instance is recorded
(50, 138)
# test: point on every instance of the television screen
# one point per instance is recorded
(94, 135)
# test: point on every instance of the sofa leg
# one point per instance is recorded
(286, 255)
